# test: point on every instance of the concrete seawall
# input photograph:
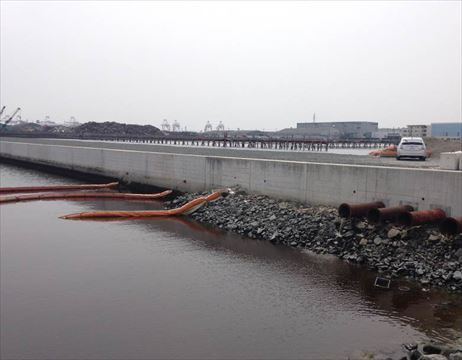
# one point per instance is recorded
(296, 155)
(315, 183)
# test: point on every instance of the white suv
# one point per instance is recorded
(411, 147)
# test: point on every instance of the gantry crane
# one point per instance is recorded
(10, 118)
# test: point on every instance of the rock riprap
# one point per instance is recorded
(417, 253)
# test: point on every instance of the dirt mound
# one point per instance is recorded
(437, 146)
(115, 129)
(89, 129)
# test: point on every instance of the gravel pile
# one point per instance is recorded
(417, 253)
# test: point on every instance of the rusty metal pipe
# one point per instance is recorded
(420, 217)
(451, 226)
(378, 215)
(358, 210)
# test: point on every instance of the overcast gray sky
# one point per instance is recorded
(249, 64)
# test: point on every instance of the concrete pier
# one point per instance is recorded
(311, 182)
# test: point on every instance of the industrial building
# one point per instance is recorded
(447, 130)
(341, 129)
(387, 133)
(416, 130)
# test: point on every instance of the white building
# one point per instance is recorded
(344, 129)
(416, 131)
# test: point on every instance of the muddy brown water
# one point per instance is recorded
(173, 288)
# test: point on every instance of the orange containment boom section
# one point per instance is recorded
(389, 151)
(82, 195)
(9, 190)
(186, 209)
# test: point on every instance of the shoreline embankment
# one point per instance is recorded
(418, 253)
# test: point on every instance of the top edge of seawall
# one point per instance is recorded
(243, 158)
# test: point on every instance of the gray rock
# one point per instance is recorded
(283, 205)
(458, 253)
(434, 357)
(457, 275)
(363, 242)
(424, 281)
(349, 234)
(455, 356)
(378, 240)
(434, 237)
(393, 232)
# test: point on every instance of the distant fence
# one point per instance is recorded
(249, 143)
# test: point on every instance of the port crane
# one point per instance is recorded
(208, 127)
(3, 126)
(176, 126)
(165, 125)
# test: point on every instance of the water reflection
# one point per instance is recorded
(436, 313)
(173, 288)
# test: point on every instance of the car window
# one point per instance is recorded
(412, 143)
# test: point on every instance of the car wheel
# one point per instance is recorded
(398, 158)
(423, 158)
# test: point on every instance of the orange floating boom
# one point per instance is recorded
(83, 195)
(58, 187)
(186, 209)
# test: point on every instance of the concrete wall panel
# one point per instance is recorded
(276, 177)
(450, 160)
(316, 183)
(221, 172)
